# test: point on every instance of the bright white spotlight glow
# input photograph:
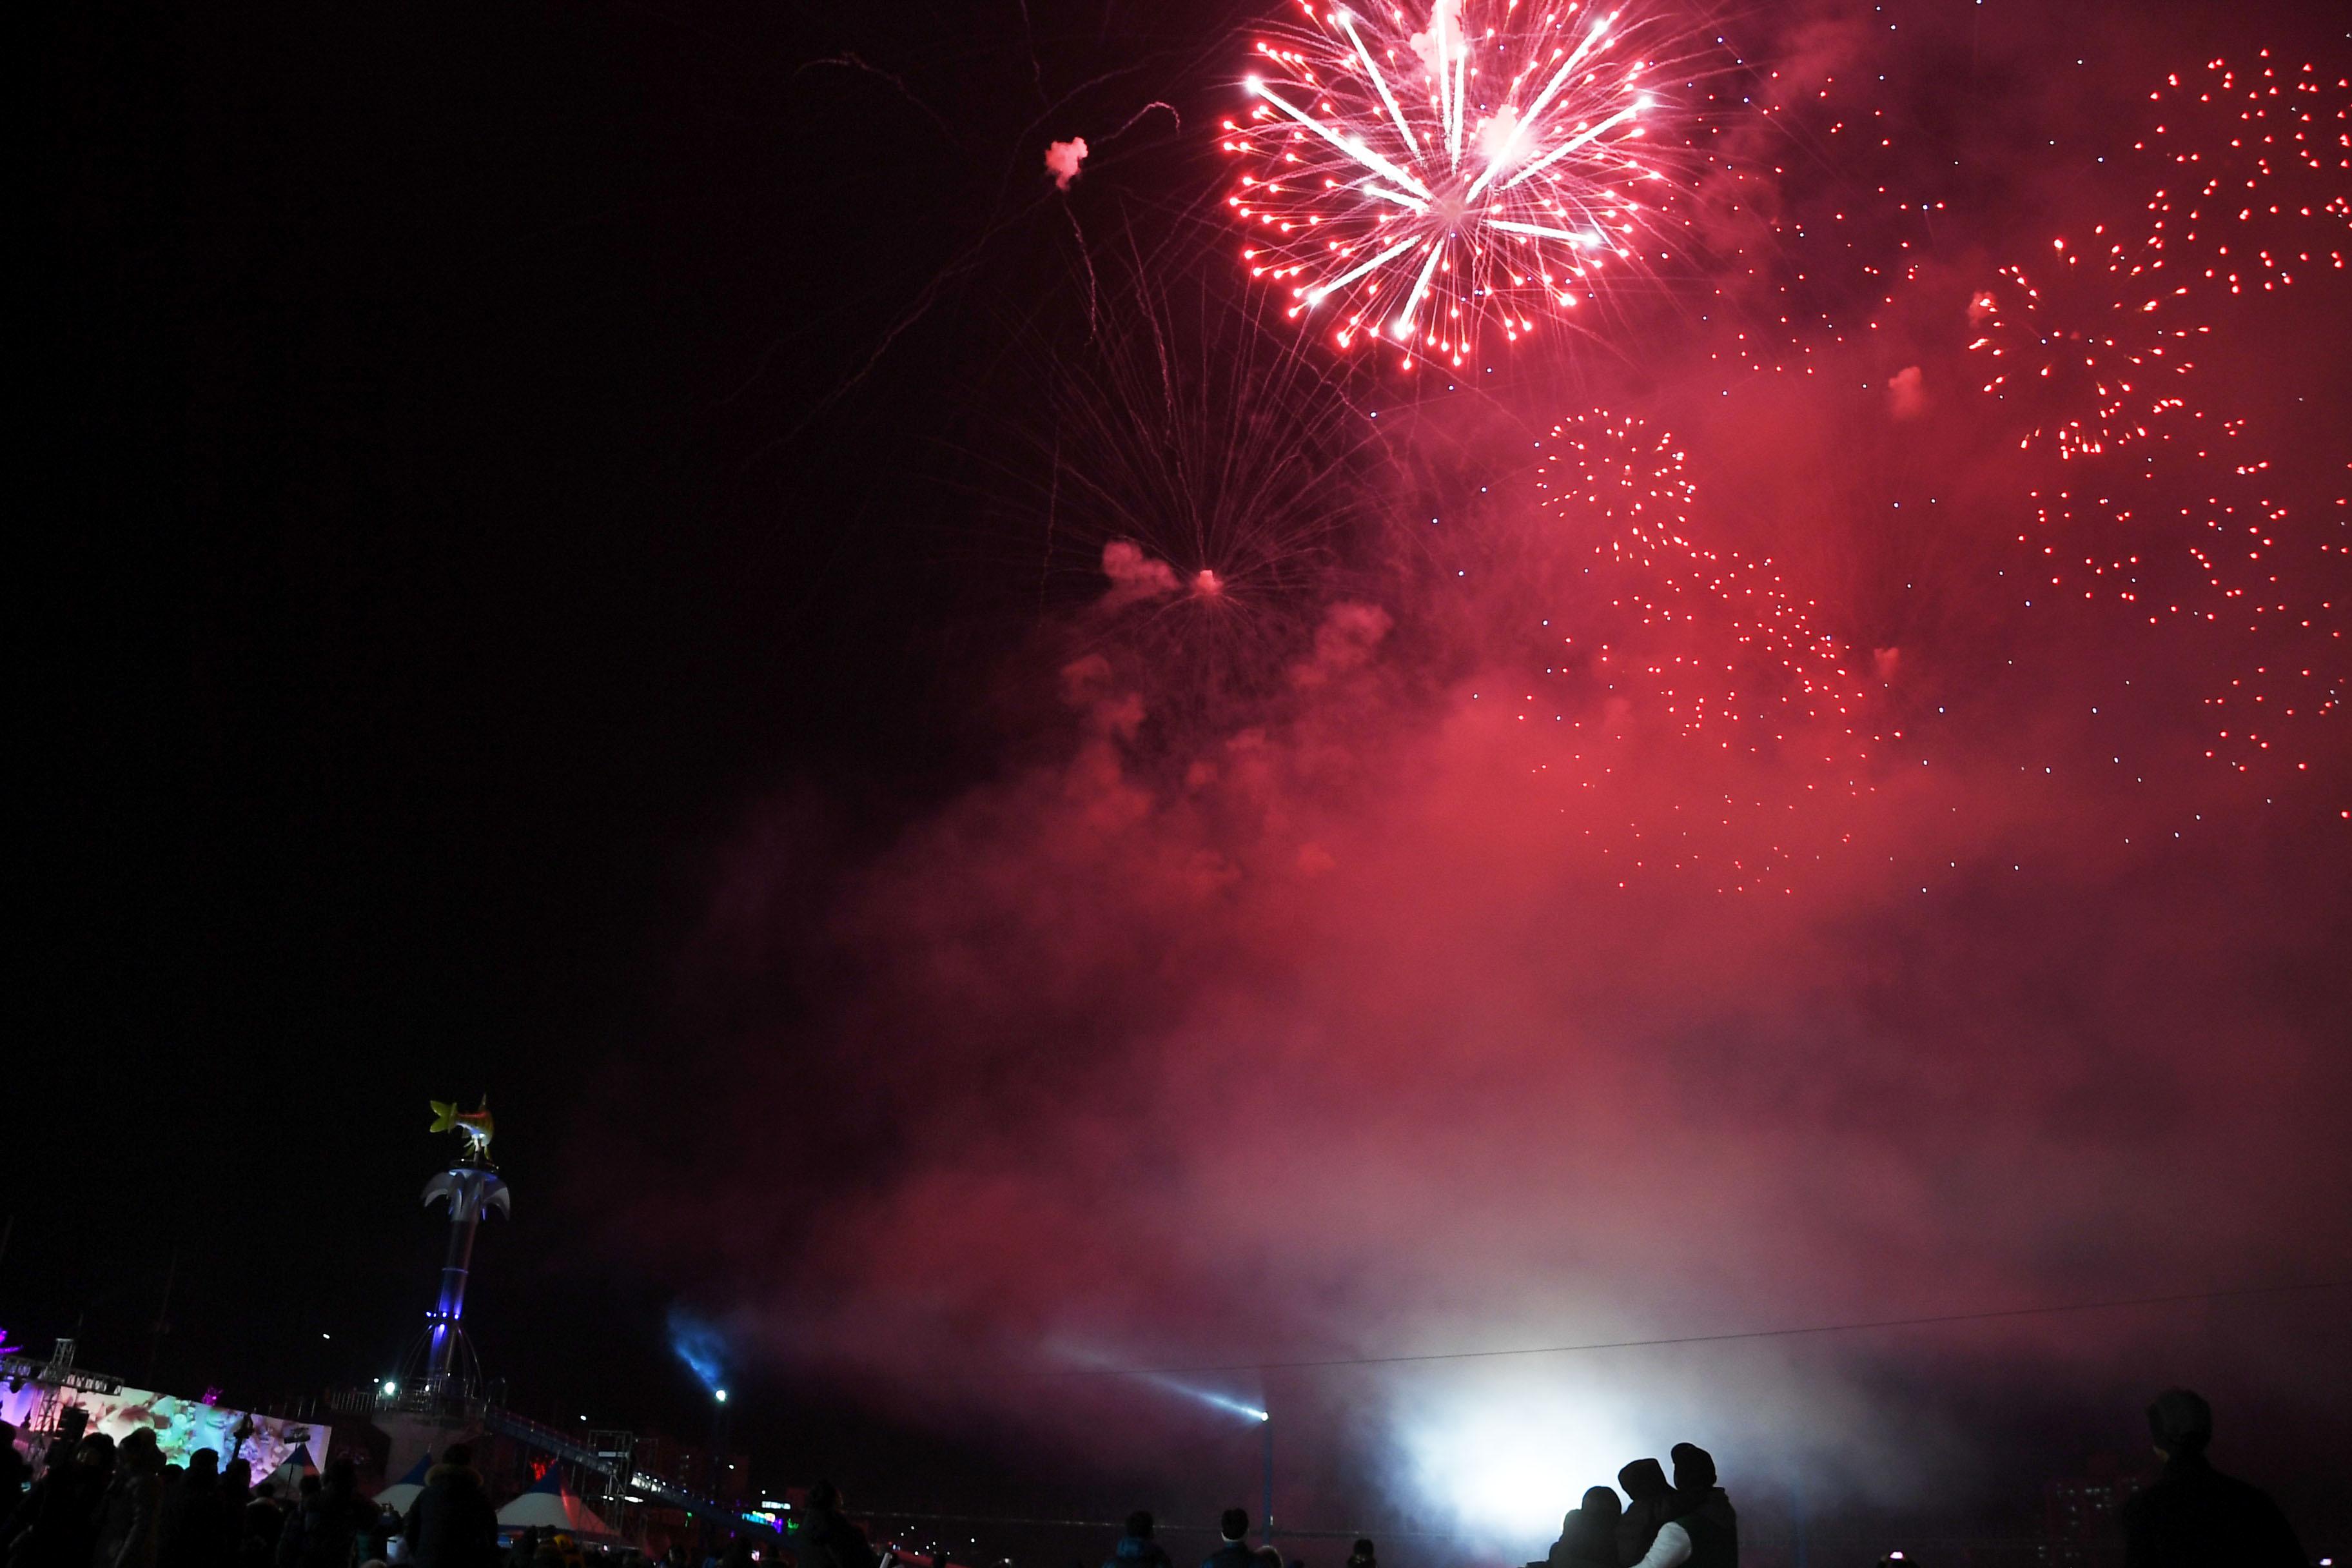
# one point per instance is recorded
(390, 1387)
(720, 1395)
(1207, 1396)
(1161, 1380)
(1508, 1462)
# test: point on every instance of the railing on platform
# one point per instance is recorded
(626, 1478)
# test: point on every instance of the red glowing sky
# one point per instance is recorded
(1745, 826)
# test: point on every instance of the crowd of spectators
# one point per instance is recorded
(98, 1503)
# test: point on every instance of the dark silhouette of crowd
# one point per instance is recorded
(2189, 1516)
(2192, 1513)
(1137, 1549)
(1234, 1551)
(1666, 1524)
(98, 1503)
(827, 1539)
(451, 1524)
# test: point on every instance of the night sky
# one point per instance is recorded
(646, 561)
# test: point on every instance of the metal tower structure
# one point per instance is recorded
(442, 1371)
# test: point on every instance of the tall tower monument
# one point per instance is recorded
(444, 1369)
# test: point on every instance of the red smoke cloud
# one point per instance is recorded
(1064, 160)
(1439, 1004)
(1459, 985)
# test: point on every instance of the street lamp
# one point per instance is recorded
(1266, 1425)
(1227, 1402)
(719, 1443)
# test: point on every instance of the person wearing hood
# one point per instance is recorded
(1698, 1527)
(1702, 1511)
(1644, 1481)
(451, 1524)
(1588, 1536)
(130, 1518)
(2192, 1514)
(1136, 1547)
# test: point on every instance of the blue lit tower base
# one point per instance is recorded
(441, 1371)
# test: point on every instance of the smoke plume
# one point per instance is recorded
(1581, 935)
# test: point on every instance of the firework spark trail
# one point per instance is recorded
(1202, 481)
(1776, 668)
(2095, 344)
(2095, 349)
(2196, 543)
(1818, 213)
(1431, 180)
(1644, 648)
(2256, 167)
(2214, 573)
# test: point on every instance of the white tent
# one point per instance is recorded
(551, 1505)
(402, 1492)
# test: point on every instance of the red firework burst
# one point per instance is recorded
(1422, 176)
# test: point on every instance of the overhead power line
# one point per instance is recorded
(1310, 1363)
